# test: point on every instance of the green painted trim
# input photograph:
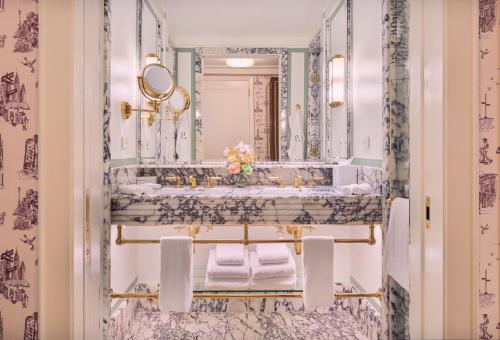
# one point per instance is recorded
(367, 162)
(118, 302)
(123, 162)
(339, 6)
(376, 305)
(176, 66)
(193, 95)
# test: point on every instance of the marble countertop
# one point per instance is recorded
(251, 205)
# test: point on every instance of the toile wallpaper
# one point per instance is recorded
(489, 62)
(262, 117)
(18, 169)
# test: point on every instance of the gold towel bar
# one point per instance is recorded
(244, 295)
(297, 240)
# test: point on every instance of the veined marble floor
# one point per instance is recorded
(250, 325)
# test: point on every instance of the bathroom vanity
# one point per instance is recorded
(261, 203)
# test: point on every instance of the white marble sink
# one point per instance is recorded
(267, 191)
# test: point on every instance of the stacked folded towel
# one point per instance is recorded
(356, 189)
(228, 268)
(139, 189)
(273, 267)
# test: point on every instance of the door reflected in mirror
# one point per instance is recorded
(240, 104)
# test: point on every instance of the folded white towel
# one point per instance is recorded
(226, 284)
(356, 189)
(276, 283)
(135, 189)
(230, 254)
(176, 274)
(396, 254)
(215, 271)
(267, 271)
(317, 271)
(272, 253)
(362, 189)
(152, 185)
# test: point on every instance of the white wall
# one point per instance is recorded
(124, 262)
(148, 256)
(184, 79)
(149, 45)
(367, 79)
(123, 78)
(366, 262)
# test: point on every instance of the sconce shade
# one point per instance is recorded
(239, 62)
(336, 81)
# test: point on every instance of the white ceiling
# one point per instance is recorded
(244, 23)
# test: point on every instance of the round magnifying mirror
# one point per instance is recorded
(179, 102)
(156, 82)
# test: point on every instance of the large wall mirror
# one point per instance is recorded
(266, 86)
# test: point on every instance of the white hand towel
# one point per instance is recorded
(267, 271)
(135, 189)
(272, 253)
(396, 255)
(346, 189)
(176, 274)
(317, 264)
(226, 284)
(276, 283)
(230, 254)
(215, 271)
(362, 189)
(152, 185)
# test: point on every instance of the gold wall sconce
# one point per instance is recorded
(336, 81)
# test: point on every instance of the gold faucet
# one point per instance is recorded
(177, 180)
(297, 181)
(210, 181)
(192, 180)
(312, 179)
(278, 179)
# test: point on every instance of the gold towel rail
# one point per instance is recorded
(244, 295)
(295, 230)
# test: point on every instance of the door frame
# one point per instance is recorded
(88, 168)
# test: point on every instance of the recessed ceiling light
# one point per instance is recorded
(239, 62)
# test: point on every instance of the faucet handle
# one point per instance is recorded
(278, 179)
(192, 180)
(297, 181)
(211, 179)
(177, 180)
(312, 179)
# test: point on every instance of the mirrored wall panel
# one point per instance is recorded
(271, 90)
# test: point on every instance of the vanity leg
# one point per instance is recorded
(296, 231)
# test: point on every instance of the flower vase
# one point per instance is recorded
(241, 181)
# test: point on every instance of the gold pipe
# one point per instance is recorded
(246, 241)
(244, 295)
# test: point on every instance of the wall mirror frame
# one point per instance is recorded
(327, 134)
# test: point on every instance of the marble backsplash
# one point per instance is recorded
(129, 174)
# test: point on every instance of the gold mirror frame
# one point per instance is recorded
(149, 92)
(187, 103)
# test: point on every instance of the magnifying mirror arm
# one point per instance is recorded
(126, 109)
